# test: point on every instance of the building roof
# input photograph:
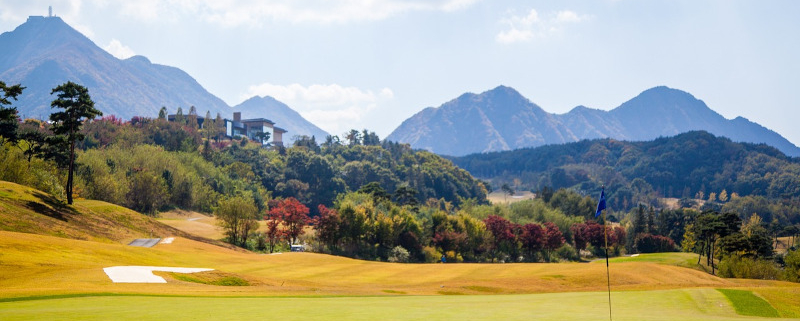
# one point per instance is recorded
(258, 120)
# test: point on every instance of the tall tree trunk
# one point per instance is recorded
(71, 167)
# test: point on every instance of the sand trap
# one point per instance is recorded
(144, 242)
(167, 240)
(144, 274)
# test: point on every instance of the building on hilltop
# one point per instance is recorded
(250, 128)
(49, 15)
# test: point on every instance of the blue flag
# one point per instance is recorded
(601, 205)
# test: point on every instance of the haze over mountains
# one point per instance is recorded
(45, 52)
(502, 119)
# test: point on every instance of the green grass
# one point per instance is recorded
(686, 304)
(669, 258)
(747, 303)
(223, 281)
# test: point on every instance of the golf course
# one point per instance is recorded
(52, 270)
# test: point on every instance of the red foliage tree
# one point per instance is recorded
(532, 238)
(450, 241)
(274, 234)
(649, 243)
(591, 233)
(553, 236)
(293, 216)
(578, 235)
(502, 232)
(327, 225)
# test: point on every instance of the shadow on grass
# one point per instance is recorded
(50, 206)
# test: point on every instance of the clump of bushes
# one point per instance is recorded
(649, 243)
(734, 266)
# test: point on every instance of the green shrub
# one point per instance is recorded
(734, 266)
(567, 252)
(792, 271)
(431, 254)
(399, 255)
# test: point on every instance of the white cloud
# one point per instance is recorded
(233, 13)
(570, 16)
(117, 49)
(530, 26)
(333, 107)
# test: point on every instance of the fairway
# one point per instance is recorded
(686, 304)
(47, 276)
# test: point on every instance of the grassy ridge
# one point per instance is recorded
(27, 210)
(23, 209)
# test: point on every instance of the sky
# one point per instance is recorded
(371, 64)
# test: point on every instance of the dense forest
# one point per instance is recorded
(694, 165)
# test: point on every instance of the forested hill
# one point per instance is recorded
(684, 166)
(151, 165)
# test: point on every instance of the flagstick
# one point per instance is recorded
(608, 275)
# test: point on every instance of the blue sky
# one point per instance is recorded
(373, 63)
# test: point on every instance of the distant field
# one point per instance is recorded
(198, 224)
(498, 197)
(194, 223)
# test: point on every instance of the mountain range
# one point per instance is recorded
(44, 52)
(502, 119)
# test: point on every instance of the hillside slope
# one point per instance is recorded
(27, 210)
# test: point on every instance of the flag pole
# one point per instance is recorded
(601, 205)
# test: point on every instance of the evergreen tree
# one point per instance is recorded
(179, 117)
(192, 117)
(78, 108)
(219, 124)
(9, 119)
(639, 224)
(208, 126)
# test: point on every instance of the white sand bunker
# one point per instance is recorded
(167, 240)
(144, 274)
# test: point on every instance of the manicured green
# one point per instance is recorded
(670, 258)
(684, 304)
(224, 281)
(747, 303)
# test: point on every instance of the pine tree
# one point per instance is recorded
(78, 107)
